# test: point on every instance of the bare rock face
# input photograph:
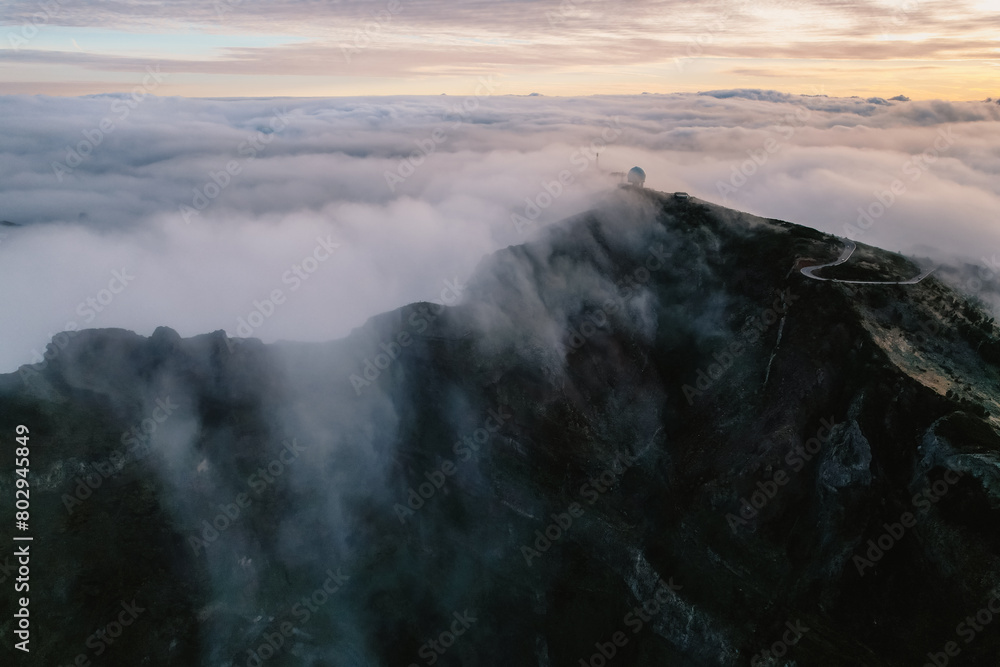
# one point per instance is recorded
(848, 459)
(644, 438)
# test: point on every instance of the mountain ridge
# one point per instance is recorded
(605, 487)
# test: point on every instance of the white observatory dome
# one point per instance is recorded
(636, 176)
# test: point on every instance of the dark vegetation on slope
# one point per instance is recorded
(908, 376)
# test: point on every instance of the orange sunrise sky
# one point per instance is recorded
(919, 48)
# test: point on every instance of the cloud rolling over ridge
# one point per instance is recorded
(302, 198)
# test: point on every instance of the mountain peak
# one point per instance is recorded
(655, 400)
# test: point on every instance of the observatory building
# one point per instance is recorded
(636, 177)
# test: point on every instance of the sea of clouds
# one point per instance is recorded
(136, 211)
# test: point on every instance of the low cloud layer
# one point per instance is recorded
(299, 219)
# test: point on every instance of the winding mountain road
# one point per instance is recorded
(849, 248)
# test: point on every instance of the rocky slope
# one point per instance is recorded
(642, 439)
